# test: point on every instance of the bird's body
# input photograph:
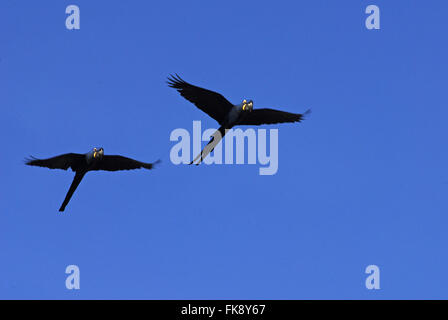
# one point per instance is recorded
(83, 163)
(227, 114)
(234, 116)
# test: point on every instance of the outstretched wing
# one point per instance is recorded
(64, 161)
(115, 163)
(270, 116)
(212, 103)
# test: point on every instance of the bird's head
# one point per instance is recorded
(98, 153)
(247, 105)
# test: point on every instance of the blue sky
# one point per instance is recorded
(362, 181)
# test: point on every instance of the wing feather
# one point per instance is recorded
(271, 116)
(212, 103)
(64, 161)
(115, 163)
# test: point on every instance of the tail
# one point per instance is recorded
(214, 140)
(76, 180)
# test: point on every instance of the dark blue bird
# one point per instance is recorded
(227, 114)
(83, 163)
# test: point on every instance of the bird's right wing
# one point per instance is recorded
(64, 161)
(212, 103)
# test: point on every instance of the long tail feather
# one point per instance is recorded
(76, 180)
(215, 139)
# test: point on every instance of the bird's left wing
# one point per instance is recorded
(115, 163)
(271, 116)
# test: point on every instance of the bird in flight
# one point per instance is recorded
(83, 163)
(227, 114)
